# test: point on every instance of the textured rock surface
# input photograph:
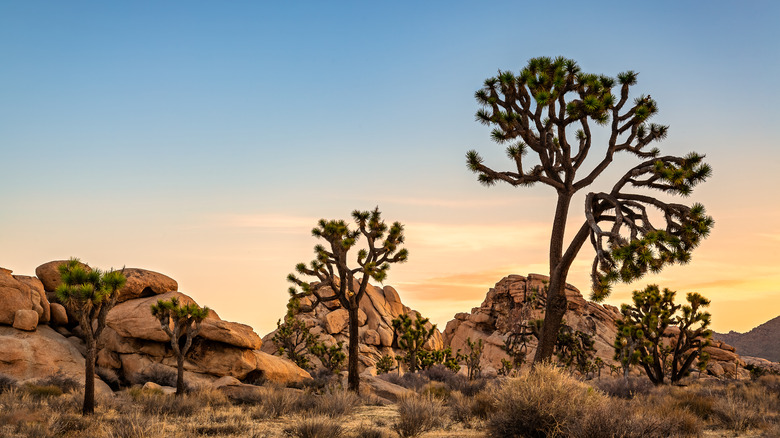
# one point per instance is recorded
(26, 319)
(759, 342)
(49, 275)
(14, 295)
(144, 283)
(378, 308)
(33, 355)
(512, 300)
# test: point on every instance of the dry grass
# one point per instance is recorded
(544, 403)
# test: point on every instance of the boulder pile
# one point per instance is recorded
(43, 339)
(379, 306)
(516, 298)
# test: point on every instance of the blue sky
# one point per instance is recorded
(142, 133)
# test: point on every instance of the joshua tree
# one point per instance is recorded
(474, 357)
(348, 284)
(293, 338)
(187, 321)
(537, 112)
(668, 337)
(411, 336)
(89, 294)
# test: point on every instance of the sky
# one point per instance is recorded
(204, 140)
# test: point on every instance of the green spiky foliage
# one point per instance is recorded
(444, 357)
(293, 338)
(547, 116)
(507, 367)
(669, 337)
(574, 350)
(337, 280)
(410, 336)
(89, 294)
(629, 337)
(186, 320)
(332, 358)
(474, 357)
(385, 364)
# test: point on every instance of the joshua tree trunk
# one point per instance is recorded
(180, 375)
(353, 379)
(89, 379)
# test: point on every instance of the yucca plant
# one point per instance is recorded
(89, 294)
(646, 324)
(332, 270)
(410, 336)
(548, 111)
(186, 321)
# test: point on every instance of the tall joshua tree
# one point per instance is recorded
(548, 110)
(187, 321)
(332, 270)
(89, 294)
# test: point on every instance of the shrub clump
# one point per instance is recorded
(418, 414)
(314, 427)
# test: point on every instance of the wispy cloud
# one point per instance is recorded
(474, 237)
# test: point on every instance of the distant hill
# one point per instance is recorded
(763, 341)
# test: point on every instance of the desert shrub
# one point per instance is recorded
(133, 424)
(624, 388)
(366, 431)
(385, 364)
(156, 373)
(7, 382)
(75, 425)
(544, 403)
(418, 414)
(221, 429)
(169, 405)
(636, 420)
(275, 402)
(460, 407)
(336, 403)
(740, 408)
(770, 382)
(314, 427)
(413, 381)
(42, 391)
(60, 380)
(438, 390)
(211, 397)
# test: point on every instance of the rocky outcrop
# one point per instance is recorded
(144, 283)
(330, 322)
(516, 298)
(759, 342)
(20, 298)
(132, 343)
(44, 352)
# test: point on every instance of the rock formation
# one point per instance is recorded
(759, 342)
(378, 308)
(132, 344)
(517, 298)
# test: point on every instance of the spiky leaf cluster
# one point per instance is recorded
(294, 340)
(444, 357)
(474, 357)
(87, 289)
(332, 358)
(548, 108)
(628, 245)
(650, 321)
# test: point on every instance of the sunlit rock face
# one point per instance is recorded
(378, 307)
(41, 337)
(516, 298)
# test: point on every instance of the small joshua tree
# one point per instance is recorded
(627, 341)
(385, 364)
(349, 284)
(649, 321)
(187, 321)
(411, 337)
(574, 349)
(89, 294)
(549, 113)
(427, 359)
(332, 357)
(293, 338)
(474, 358)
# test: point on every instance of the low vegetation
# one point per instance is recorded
(546, 403)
